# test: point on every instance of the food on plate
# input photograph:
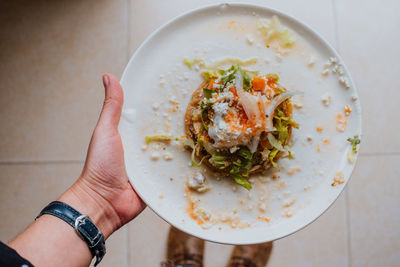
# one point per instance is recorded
(239, 123)
(352, 153)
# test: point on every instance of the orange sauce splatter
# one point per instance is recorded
(263, 218)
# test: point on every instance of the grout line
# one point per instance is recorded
(39, 162)
(347, 208)
(348, 222)
(128, 29)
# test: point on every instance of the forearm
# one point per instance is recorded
(49, 241)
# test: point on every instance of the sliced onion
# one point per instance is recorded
(275, 143)
(248, 101)
(253, 144)
(276, 101)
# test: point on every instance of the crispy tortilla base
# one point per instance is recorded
(193, 126)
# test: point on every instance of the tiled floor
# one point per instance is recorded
(52, 56)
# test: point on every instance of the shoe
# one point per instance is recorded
(250, 255)
(184, 250)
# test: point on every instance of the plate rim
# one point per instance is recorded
(295, 21)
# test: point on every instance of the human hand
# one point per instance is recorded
(103, 191)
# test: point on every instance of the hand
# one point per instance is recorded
(103, 190)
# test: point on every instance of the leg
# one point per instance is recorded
(250, 255)
(184, 249)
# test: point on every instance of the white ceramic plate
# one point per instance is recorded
(156, 76)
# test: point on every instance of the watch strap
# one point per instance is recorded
(82, 224)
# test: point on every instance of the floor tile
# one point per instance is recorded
(324, 242)
(374, 197)
(147, 239)
(53, 54)
(317, 14)
(26, 188)
(369, 42)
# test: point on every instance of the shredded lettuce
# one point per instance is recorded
(208, 75)
(191, 63)
(231, 61)
(193, 157)
(158, 138)
(219, 161)
(354, 142)
(207, 146)
(245, 153)
(207, 93)
(240, 180)
(231, 75)
(272, 155)
(272, 29)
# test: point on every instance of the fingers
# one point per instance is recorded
(112, 107)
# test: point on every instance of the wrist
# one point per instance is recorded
(85, 200)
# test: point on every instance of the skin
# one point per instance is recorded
(102, 192)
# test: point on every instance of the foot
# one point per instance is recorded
(250, 255)
(184, 249)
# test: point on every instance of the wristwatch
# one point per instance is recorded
(82, 224)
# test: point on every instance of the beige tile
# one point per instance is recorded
(53, 54)
(322, 243)
(374, 197)
(26, 188)
(147, 239)
(117, 250)
(369, 41)
(317, 14)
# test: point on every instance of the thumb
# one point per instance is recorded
(112, 107)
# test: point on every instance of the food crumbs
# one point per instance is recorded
(155, 156)
(288, 213)
(318, 148)
(308, 187)
(347, 110)
(338, 179)
(326, 141)
(293, 170)
(262, 218)
(290, 202)
(282, 185)
(319, 129)
(351, 156)
(341, 123)
(161, 196)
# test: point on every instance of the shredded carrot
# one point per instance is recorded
(258, 84)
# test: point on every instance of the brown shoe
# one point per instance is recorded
(184, 249)
(250, 255)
